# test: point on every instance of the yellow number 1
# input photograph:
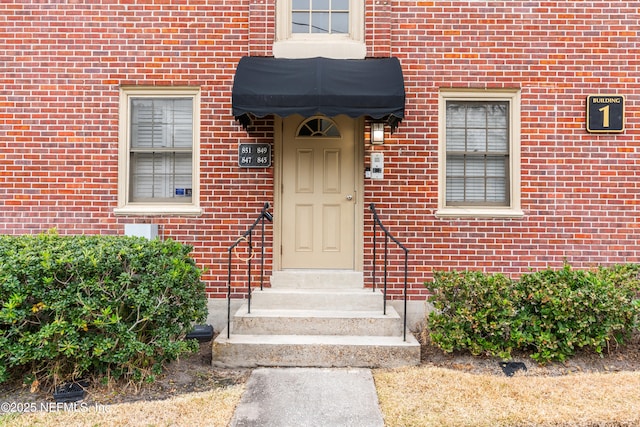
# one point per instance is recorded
(605, 116)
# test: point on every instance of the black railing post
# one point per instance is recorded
(386, 262)
(374, 250)
(265, 215)
(377, 222)
(262, 250)
(406, 270)
(229, 296)
(250, 242)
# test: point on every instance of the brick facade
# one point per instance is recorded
(62, 65)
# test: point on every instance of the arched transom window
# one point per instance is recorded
(318, 127)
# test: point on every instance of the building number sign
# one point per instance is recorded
(254, 155)
(605, 113)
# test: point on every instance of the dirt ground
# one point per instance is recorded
(189, 374)
(617, 358)
(194, 373)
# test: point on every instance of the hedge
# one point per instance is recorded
(549, 314)
(113, 306)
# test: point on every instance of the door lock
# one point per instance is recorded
(349, 197)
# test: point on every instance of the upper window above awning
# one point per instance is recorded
(312, 86)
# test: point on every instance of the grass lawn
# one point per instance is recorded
(420, 396)
(431, 396)
(211, 408)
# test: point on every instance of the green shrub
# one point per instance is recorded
(109, 305)
(568, 309)
(474, 312)
(551, 314)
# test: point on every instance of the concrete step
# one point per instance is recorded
(316, 322)
(249, 351)
(301, 279)
(316, 318)
(317, 299)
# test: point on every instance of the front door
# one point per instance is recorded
(318, 193)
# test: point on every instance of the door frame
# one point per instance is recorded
(358, 170)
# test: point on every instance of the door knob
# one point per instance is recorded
(349, 197)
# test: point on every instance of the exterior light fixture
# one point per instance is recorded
(377, 133)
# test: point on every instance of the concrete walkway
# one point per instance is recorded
(306, 397)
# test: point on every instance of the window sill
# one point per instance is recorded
(335, 49)
(155, 210)
(498, 213)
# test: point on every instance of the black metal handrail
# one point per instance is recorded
(387, 234)
(264, 214)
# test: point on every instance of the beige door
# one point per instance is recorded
(318, 193)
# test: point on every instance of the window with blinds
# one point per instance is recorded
(161, 150)
(158, 151)
(477, 153)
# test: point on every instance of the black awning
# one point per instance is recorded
(354, 87)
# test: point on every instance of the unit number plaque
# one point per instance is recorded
(254, 155)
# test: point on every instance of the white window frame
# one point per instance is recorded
(512, 96)
(125, 206)
(337, 46)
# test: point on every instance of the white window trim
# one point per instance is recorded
(513, 97)
(131, 208)
(336, 46)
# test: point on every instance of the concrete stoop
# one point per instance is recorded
(316, 319)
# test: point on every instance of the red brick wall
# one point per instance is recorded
(61, 66)
(580, 191)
